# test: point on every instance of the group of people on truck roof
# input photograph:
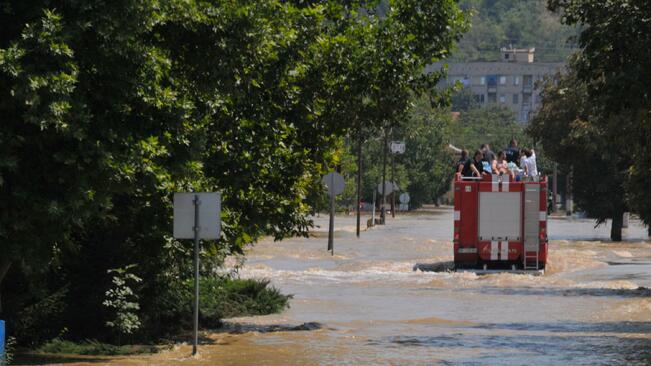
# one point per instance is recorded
(520, 164)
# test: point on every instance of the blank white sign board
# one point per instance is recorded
(209, 215)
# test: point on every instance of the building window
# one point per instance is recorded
(516, 80)
(479, 98)
(528, 80)
(506, 56)
(516, 98)
(492, 98)
(502, 98)
(502, 80)
(492, 80)
(526, 98)
(482, 80)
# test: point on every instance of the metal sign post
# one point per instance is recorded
(190, 211)
(397, 147)
(335, 184)
(195, 308)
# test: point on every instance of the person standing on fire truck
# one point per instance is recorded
(528, 162)
(489, 158)
(513, 152)
(474, 166)
(462, 161)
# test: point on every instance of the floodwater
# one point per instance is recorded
(366, 305)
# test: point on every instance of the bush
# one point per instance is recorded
(226, 298)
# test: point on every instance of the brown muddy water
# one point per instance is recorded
(366, 305)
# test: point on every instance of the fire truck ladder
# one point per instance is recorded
(530, 258)
(531, 227)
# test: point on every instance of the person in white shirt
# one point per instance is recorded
(528, 163)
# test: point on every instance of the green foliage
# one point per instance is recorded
(9, 351)
(424, 170)
(522, 24)
(227, 298)
(110, 107)
(428, 162)
(614, 67)
(91, 347)
(35, 323)
(566, 125)
(464, 100)
(123, 301)
(494, 125)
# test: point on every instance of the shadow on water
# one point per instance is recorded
(574, 327)
(240, 328)
(435, 267)
(578, 292)
(514, 349)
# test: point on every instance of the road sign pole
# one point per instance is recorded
(332, 223)
(384, 178)
(393, 180)
(555, 187)
(373, 214)
(197, 228)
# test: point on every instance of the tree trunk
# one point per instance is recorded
(616, 227)
(4, 268)
(649, 230)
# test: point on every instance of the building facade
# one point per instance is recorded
(510, 82)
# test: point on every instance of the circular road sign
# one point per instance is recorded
(404, 198)
(334, 182)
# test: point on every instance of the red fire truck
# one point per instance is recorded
(500, 224)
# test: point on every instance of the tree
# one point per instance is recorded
(110, 107)
(613, 64)
(521, 24)
(494, 125)
(566, 126)
(464, 100)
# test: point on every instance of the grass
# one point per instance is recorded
(92, 347)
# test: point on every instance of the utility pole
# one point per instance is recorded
(384, 176)
(568, 194)
(555, 187)
(393, 182)
(359, 174)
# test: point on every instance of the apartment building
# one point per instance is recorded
(510, 81)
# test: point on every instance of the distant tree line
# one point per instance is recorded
(522, 24)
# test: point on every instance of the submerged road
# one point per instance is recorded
(367, 306)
